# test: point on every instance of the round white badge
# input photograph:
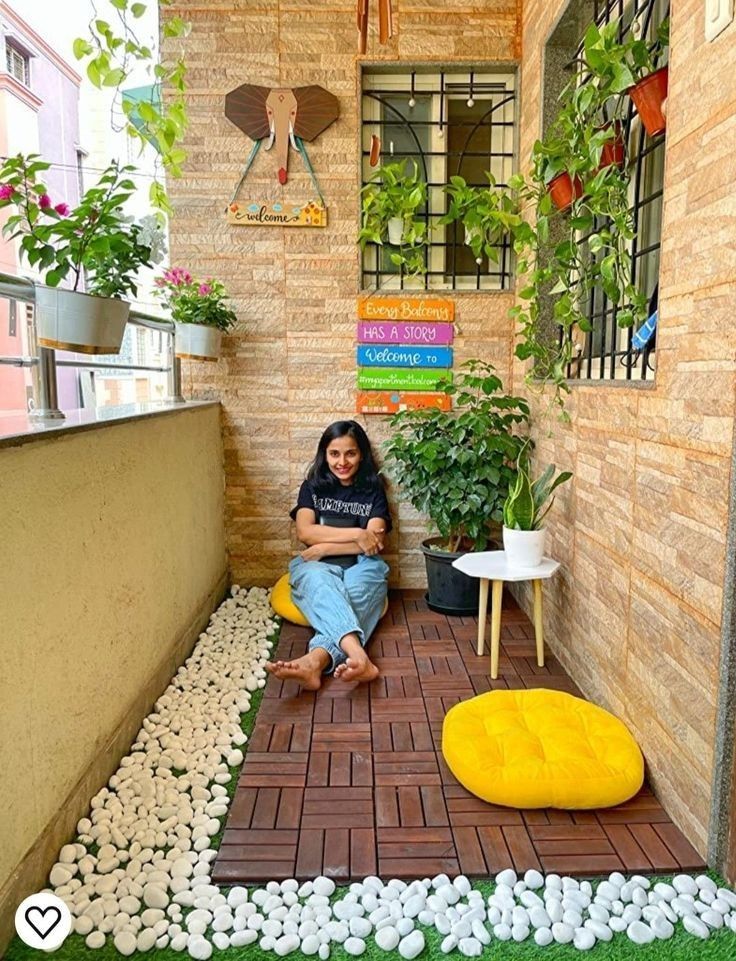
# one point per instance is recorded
(43, 921)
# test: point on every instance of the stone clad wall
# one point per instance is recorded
(289, 369)
(641, 531)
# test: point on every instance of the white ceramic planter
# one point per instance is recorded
(524, 548)
(395, 231)
(70, 320)
(197, 342)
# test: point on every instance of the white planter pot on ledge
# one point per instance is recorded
(70, 320)
(197, 342)
(524, 548)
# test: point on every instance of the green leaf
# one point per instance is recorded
(138, 9)
(113, 78)
(81, 48)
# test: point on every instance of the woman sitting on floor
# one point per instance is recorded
(339, 581)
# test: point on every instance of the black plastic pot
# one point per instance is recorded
(449, 591)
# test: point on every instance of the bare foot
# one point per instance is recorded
(357, 668)
(306, 670)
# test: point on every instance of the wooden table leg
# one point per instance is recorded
(496, 626)
(538, 629)
(482, 613)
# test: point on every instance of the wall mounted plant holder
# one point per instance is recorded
(280, 116)
(613, 153)
(649, 96)
(564, 189)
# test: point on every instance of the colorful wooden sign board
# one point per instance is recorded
(404, 356)
(257, 214)
(403, 352)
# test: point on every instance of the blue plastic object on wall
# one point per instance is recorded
(645, 333)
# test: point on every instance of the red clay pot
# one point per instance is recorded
(563, 190)
(613, 153)
(648, 96)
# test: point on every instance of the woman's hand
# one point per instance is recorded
(371, 542)
(314, 553)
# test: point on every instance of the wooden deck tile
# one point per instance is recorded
(351, 781)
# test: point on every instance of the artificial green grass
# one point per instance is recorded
(721, 946)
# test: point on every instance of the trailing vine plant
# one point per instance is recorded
(110, 51)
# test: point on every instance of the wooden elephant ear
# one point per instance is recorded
(246, 108)
(316, 109)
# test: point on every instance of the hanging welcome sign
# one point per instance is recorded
(280, 116)
(404, 351)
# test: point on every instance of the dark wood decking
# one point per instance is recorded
(351, 781)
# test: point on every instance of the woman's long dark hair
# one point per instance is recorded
(319, 473)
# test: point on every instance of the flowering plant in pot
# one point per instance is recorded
(391, 201)
(632, 66)
(524, 510)
(487, 214)
(199, 312)
(94, 246)
(456, 467)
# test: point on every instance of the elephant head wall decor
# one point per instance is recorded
(280, 116)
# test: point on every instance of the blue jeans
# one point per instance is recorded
(339, 601)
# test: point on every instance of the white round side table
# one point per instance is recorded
(492, 566)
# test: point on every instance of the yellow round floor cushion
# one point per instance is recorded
(539, 748)
(282, 603)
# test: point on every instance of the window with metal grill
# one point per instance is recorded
(607, 351)
(18, 64)
(450, 122)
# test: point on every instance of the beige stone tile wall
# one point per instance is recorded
(636, 614)
(289, 368)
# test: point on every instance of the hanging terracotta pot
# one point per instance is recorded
(613, 153)
(648, 95)
(563, 189)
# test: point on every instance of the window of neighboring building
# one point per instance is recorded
(18, 64)
(451, 122)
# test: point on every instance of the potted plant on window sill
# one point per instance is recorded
(391, 202)
(488, 214)
(631, 67)
(456, 467)
(95, 243)
(199, 313)
(524, 510)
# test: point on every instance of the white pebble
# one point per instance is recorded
(354, 946)
(448, 944)
(470, 947)
(387, 938)
(411, 945)
(696, 927)
(543, 937)
(640, 933)
(584, 939)
(562, 933)
(125, 943)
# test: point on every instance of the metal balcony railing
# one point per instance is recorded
(44, 364)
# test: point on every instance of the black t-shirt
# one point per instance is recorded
(343, 506)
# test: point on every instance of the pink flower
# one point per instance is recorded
(44, 201)
(62, 210)
(205, 289)
(160, 282)
(6, 192)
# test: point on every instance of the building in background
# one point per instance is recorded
(39, 113)
(47, 107)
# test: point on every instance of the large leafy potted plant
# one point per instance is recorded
(456, 467)
(199, 312)
(95, 246)
(391, 201)
(524, 510)
(488, 214)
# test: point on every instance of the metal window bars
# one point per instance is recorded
(453, 139)
(608, 352)
(44, 364)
